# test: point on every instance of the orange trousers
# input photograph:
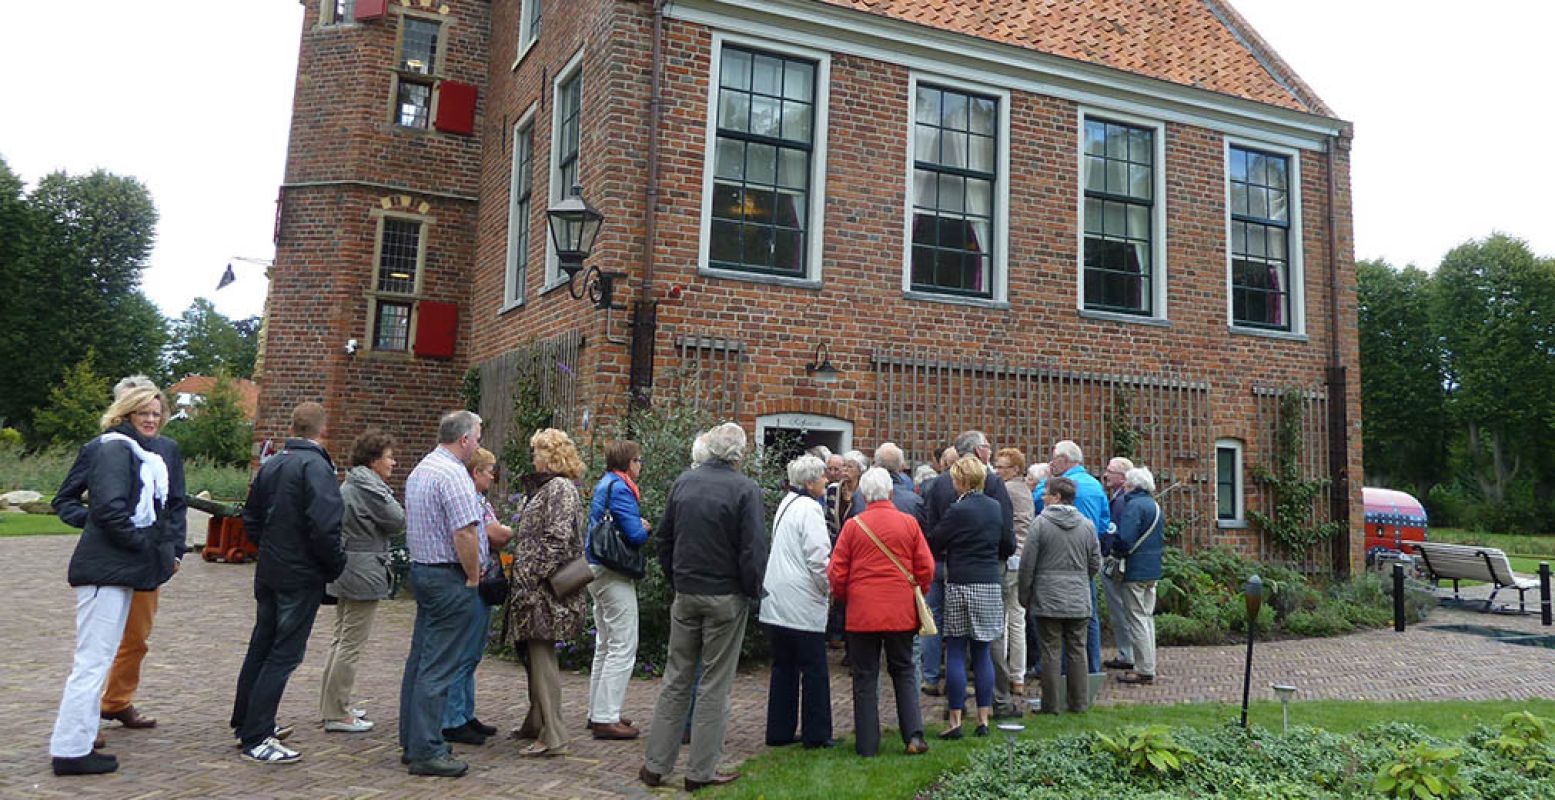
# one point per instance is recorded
(124, 676)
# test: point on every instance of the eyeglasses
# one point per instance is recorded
(637, 460)
(1004, 466)
(146, 414)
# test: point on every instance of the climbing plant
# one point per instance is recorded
(1293, 523)
(470, 389)
(1126, 435)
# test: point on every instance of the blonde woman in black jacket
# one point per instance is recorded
(117, 554)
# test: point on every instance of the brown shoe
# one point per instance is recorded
(1136, 678)
(917, 746)
(650, 777)
(131, 718)
(615, 731)
(718, 779)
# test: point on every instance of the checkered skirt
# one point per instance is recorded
(974, 610)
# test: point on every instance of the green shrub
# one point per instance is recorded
(223, 482)
(41, 471)
(1172, 629)
(1422, 772)
(1323, 622)
(1147, 749)
(10, 439)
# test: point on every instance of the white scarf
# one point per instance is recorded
(153, 480)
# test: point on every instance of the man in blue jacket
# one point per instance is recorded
(69, 504)
(1090, 499)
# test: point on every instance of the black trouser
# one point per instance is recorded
(799, 694)
(865, 648)
(282, 624)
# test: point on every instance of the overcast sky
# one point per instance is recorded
(193, 97)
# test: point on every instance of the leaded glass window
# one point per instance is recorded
(569, 104)
(399, 256)
(518, 221)
(761, 162)
(391, 330)
(955, 170)
(1119, 217)
(1260, 239)
(418, 46)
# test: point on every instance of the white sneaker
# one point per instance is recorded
(359, 713)
(281, 732)
(271, 751)
(354, 725)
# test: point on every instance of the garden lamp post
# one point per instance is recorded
(1284, 691)
(1253, 592)
(1011, 730)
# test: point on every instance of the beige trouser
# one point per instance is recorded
(544, 720)
(1009, 650)
(1060, 639)
(1139, 601)
(708, 630)
(353, 625)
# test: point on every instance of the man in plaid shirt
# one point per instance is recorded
(442, 533)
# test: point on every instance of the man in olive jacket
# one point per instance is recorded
(713, 548)
(293, 513)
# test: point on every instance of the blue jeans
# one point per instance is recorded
(444, 607)
(461, 696)
(282, 624)
(933, 646)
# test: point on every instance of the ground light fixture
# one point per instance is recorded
(574, 226)
(1011, 730)
(1253, 593)
(1285, 692)
(821, 368)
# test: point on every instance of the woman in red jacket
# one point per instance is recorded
(880, 607)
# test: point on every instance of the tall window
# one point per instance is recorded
(569, 105)
(1119, 217)
(399, 265)
(528, 24)
(339, 12)
(1228, 481)
(1260, 239)
(761, 162)
(955, 169)
(416, 67)
(519, 212)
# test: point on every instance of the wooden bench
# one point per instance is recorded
(1472, 562)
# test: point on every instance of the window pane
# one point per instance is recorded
(1277, 206)
(734, 110)
(796, 121)
(798, 80)
(728, 201)
(1117, 177)
(1258, 202)
(982, 153)
(735, 71)
(1277, 169)
(729, 161)
(793, 169)
(952, 193)
(767, 75)
(1093, 215)
(1139, 182)
(764, 116)
(953, 150)
(1225, 483)
(1095, 174)
(761, 164)
(1239, 199)
(1095, 138)
(985, 115)
(1138, 221)
(1115, 224)
(954, 114)
(414, 104)
(928, 104)
(926, 143)
(925, 189)
(1117, 142)
(391, 331)
(1140, 150)
(725, 242)
(979, 197)
(788, 250)
(1238, 164)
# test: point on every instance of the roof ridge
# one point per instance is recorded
(1265, 55)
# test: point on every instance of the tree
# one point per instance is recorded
(75, 406)
(71, 285)
(1403, 392)
(1493, 308)
(217, 428)
(204, 342)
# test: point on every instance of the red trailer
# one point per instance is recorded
(1394, 520)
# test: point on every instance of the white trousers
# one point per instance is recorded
(101, 612)
(615, 643)
(1139, 597)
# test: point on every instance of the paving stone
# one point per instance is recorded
(206, 612)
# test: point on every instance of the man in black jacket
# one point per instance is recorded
(69, 504)
(293, 513)
(938, 494)
(712, 543)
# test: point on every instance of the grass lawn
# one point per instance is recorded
(838, 774)
(1510, 543)
(33, 525)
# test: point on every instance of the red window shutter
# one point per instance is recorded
(455, 108)
(437, 326)
(371, 9)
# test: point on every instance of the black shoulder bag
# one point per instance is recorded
(610, 547)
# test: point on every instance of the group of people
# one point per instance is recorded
(853, 546)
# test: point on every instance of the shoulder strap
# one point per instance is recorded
(886, 550)
(1149, 530)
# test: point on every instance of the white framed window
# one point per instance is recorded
(566, 149)
(520, 211)
(337, 12)
(399, 261)
(956, 244)
(1264, 270)
(836, 434)
(528, 27)
(1230, 492)
(1122, 213)
(764, 173)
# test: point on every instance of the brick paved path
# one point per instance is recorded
(207, 609)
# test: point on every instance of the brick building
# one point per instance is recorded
(1084, 220)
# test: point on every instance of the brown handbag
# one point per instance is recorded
(926, 626)
(570, 577)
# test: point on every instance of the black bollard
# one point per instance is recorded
(1544, 592)
(1398, 597)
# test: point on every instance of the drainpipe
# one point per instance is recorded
(645, 314)
(1338, 387)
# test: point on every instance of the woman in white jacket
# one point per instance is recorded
(793, 608)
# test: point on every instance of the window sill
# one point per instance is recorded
(387, 355)
(1231, 524)
(956, 300)
(523, 52)
(756, 277)
(511, 305)
(553, 285)
(1113, 316)
(1289, 336)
